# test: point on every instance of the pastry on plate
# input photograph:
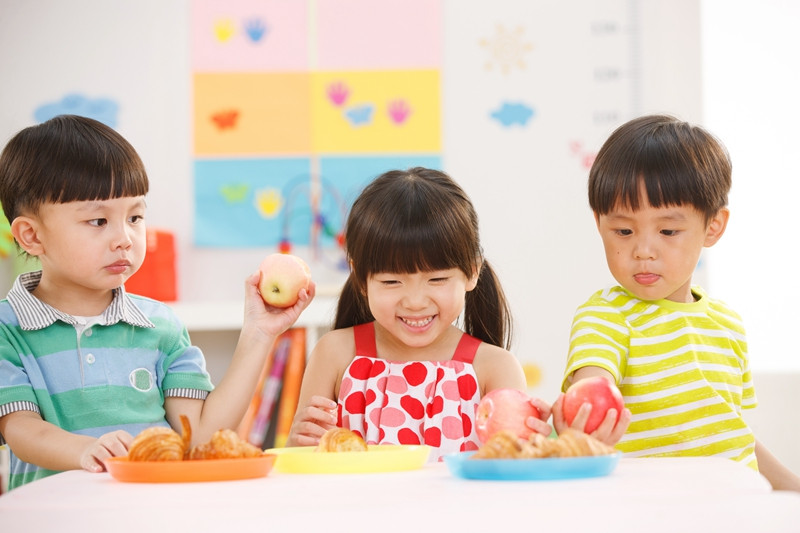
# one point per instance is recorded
(225, 444)
(160, 443)
(571, 443)
(341, 440)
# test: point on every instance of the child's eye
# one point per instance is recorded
(135, 219)
(623, 232)
(99, 222)
(669, 232)
(438, 280)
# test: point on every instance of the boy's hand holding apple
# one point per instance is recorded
(283, 276)
(595, 406)
(277, 294)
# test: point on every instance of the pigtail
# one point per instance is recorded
(352, 308)
(487, 314)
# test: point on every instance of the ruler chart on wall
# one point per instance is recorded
(616, 63)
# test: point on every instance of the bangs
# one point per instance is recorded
(408, 247)
(99, 180)
(677, 167)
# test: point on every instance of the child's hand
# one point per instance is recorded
(610, 429)
(540, 425)
(114, 444)
(273, 321)
(312, 421)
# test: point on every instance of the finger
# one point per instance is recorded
(622, 425)
(322, 402)
(322, 416)
(581, 417)
(539, 426)
(558, 414)
(542, 406)
(604, 430)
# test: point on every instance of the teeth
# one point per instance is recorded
(418, 323)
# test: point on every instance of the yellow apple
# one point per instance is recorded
(282, 277)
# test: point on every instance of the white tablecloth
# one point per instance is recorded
(653, 495)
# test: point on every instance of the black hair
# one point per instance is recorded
(678, 163)
(67, 158)
(420, 220)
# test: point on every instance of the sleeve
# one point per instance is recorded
(600, 336)
(184, 366)
(16, 389)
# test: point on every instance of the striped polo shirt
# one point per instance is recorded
(682, 369)
(110, 375)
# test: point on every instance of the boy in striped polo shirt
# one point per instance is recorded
(659, 190)
(84, 365)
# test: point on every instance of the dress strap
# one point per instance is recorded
(466, 349)
(365, 339)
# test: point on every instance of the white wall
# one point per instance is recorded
(751, 84)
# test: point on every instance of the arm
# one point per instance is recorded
(611, 429)
(46, 445)
(497, 368)
(316, 411)
(227, 403)
(780, 477)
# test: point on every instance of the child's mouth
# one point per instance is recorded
(418, 323)
(646, 278)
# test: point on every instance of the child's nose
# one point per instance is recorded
(644, 249)
(123, 238)
(415, 297)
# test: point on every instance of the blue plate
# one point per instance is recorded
(460, 465)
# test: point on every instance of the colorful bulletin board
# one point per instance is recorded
(294, 113)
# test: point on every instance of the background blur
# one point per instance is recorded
(512, 97)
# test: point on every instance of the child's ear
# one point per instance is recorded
(25, 233)
(716, 227)
(472, 282)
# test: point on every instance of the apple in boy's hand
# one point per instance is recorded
(504, 409)
(598, 391)
(282, 277)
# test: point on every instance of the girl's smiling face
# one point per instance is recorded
(417, 309)
(653, 252)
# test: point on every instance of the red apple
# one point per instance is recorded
(282, 277)
(504, 409)
(598, 391)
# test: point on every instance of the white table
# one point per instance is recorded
(654, 495)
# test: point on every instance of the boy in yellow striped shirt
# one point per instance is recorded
(659, 191)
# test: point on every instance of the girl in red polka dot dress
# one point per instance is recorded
(422, 328)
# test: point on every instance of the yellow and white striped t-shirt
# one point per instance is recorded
(682, 369)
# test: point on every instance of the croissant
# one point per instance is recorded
(502, 445)
(574, 443)
(571, 443)
(161, 443)
(341, 440)
(224, 444)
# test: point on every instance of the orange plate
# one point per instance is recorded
(187, 471)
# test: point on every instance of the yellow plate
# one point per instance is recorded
(378, 458)
(189, 471)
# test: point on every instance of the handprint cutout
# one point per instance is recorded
(398, 111)
(256, 28)
(224, 29)
(338, 93)
(268, 202)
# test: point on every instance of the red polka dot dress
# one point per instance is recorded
(417, 402)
